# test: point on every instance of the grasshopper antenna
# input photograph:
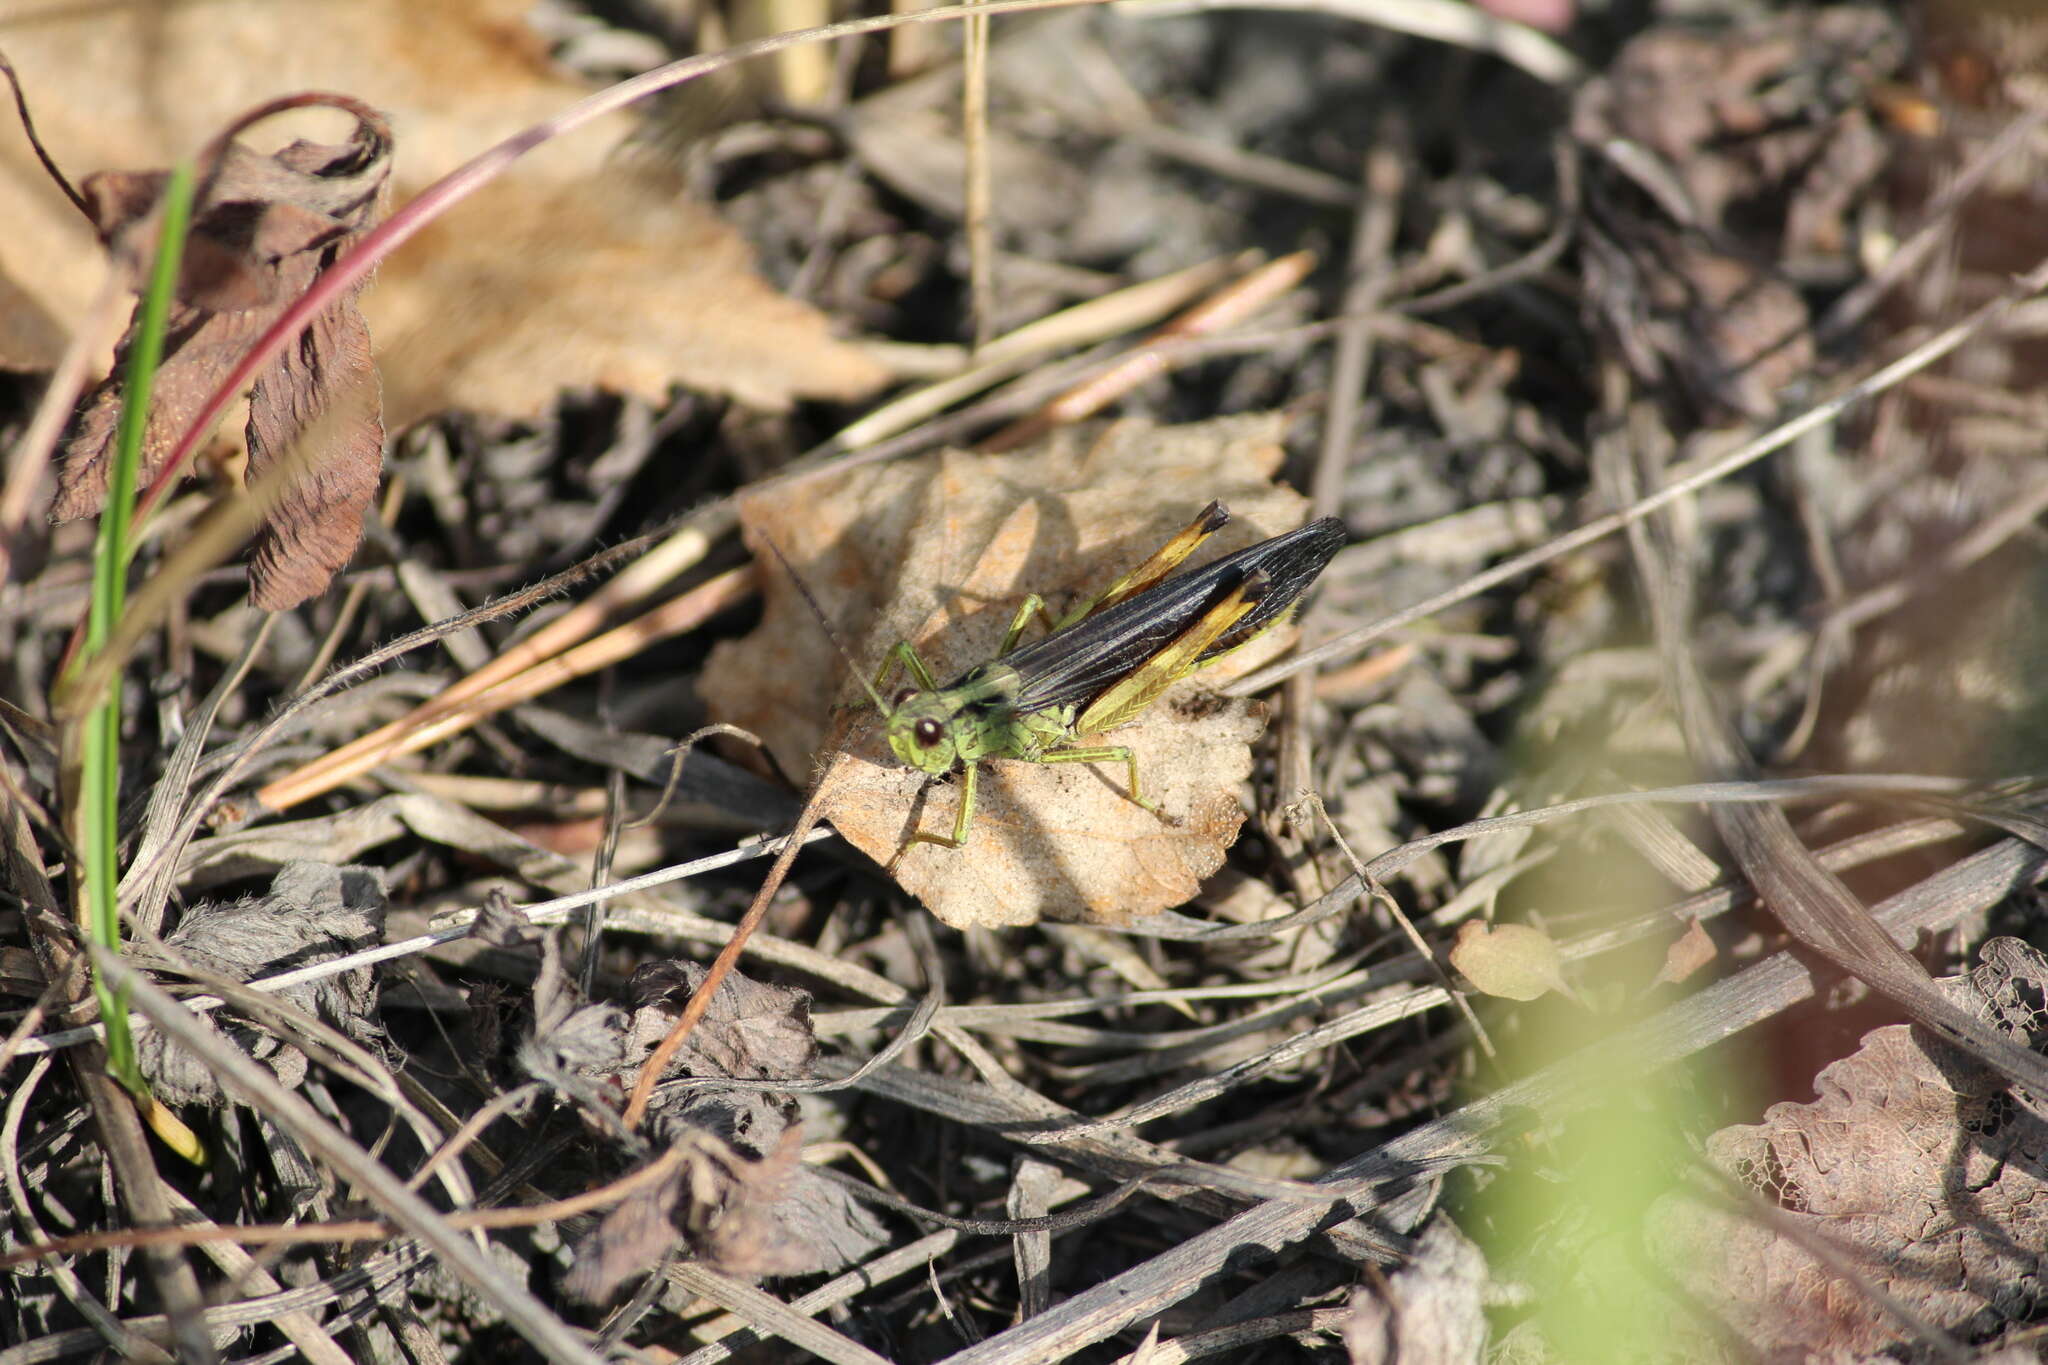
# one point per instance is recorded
(825, 625)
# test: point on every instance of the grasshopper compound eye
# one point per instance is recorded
(928, 732)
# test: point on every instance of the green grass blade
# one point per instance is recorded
(112, 551)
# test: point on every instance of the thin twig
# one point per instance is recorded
(441, 718)
(979, 190)
(728, 956)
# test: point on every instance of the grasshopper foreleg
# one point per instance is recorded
(1032, 603)
(905, 654)
(963, 819)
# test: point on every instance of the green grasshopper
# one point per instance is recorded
(1102, 664)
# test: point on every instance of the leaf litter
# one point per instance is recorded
(1671, 318)
(313, 911)
(582, 268)
(1909, 1157)
(737, 1195)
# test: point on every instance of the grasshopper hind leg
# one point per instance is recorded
(1107, 753)
(963, 819)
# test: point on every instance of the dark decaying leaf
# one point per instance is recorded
(742, 1202)
(632, 1237)
(499, 924)
(741, 1199)
(1913, 1163)
(578, 1048)
(264, 230)
(750, 1206)
(313, 912)
(311, 531)
(752, 1029)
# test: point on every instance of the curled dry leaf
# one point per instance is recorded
(1513, 961)
(743, 1204)
(1689, 952)
(1432, 1308)
(577, 1048)
(312, 912)
(716, 1206)
(740, 1198)
(752, 1029)
(1915, 1165)
(940, 551)
(265, 229)
(499, 923)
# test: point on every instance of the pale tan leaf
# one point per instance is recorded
(1513, 961)
(664, 293)
(940, 551)
(621, 284)
(30, 339)
(1689, 952)
(1432, 1308)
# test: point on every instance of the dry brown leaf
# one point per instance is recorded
(1916, 1166)
(143, 85)
(636, 288)
(313, 911)
(753, 1029)
(1689, 952)
(1513, 961)
(262, 233)
(940, 551)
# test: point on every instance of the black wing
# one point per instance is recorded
(1074, 666)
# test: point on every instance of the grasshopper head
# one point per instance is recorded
(921, 732)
